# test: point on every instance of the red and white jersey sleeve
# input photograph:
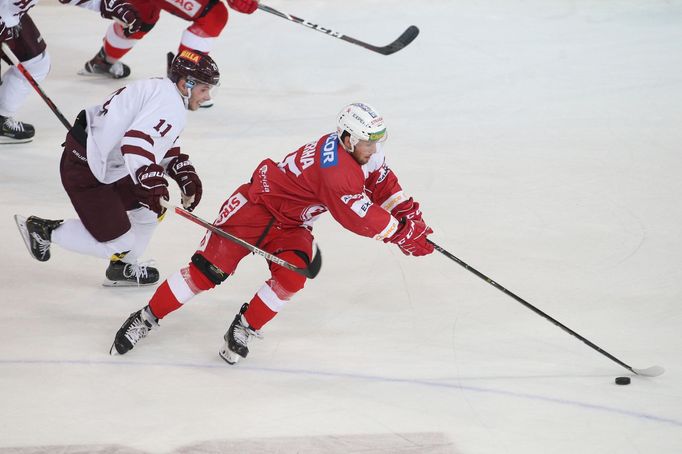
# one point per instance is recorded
(381, 183)
(138, 125)
(321, 176)
(11, 11)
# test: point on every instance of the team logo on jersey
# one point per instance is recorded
(383, 173)
(312, 212)
(329, 151)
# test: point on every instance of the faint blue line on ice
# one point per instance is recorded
(374, 378)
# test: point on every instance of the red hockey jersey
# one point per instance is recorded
(322, 176)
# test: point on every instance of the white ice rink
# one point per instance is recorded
(543, 139)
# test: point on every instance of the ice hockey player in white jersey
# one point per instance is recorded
(21, 35)
(114, 164)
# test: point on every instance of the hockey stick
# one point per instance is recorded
(310, 271)
(15, 61)
(652, 371)
(403, 40)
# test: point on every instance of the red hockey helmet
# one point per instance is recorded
(194, 66)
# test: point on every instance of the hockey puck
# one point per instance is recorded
(622, 380)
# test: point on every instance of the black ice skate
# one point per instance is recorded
(237, 337)
(13, 131)
(100, 66)
(37, 235)
(122, 274)
(135, 328)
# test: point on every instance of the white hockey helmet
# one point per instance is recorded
(361, 122)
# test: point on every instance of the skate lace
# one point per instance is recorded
(137, 330)
(137, 270)
(43, 244)
(242, 334)
(12, 124)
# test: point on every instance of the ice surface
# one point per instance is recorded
(542, 139)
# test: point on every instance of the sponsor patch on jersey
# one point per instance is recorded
(230, 207)
(189, 7)
(330, 152)
(360, 203)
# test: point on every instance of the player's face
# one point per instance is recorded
(363, 151)
(200, 93)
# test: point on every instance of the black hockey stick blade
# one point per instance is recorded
(403, 40)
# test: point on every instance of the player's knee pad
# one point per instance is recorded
(38, 66)
(285, 282)
(204, 274)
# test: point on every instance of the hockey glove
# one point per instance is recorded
(182, 171)
(407, 209)
(121, 11)
(243, 6)
(411, 238)
(151, 187)
(9, 33)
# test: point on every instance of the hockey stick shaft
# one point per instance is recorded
(309, 272)
(652, 371)
(15, 61)
(403, 40)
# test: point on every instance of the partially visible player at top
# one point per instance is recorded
(207, 17)
(344, 173)
(114, 166)
(21, 35)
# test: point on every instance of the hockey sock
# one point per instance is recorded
(178, 289)
(116, 44)
(164, 301)
(258, 313)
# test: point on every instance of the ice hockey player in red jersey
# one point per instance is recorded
(207, 17)
(114, 166)
(21, 35)
(344, 173)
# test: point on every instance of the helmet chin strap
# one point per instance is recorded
(189, 84)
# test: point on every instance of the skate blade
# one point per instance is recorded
(229, 357)
(108, 283)
(21, 225)
(113, 351)
(9, 140)
(107, 75)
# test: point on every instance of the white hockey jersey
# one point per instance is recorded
(138, 125)
(11, 11)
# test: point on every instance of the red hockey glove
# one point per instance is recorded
(411, 238)
(122, 11)
(152, 187)
(407, 209)
(243, 6)
(182, 171)
(9, 33)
